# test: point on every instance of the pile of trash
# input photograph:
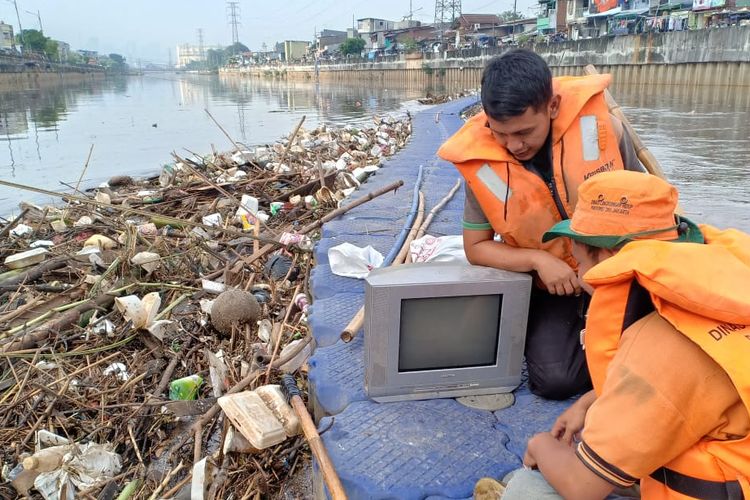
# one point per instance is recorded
(145, 323)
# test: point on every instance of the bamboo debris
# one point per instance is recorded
(72, 364)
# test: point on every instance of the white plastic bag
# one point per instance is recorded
(438, 249)
(352, 261)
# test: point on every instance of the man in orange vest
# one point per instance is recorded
(667, 341)
(523, 158)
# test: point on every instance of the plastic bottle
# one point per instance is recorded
(185, 388)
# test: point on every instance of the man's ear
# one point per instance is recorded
(554, 106)
(605, 253)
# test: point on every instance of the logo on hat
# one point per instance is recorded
(602, 204)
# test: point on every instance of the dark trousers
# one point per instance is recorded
(554, 356)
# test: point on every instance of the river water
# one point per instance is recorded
(700, 136)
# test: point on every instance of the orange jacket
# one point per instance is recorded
(701, 290)
(518, 204)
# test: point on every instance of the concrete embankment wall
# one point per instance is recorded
(36, 79)
(700, 57)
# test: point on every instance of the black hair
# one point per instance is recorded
(513, 82)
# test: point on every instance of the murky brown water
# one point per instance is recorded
(701, 136)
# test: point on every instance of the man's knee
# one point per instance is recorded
(526, 484)
(553, 382)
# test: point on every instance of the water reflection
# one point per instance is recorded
(135, 122)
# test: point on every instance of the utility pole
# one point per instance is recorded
(201, 55)
(38, 17)
(233, 11)
(513, 26)
(20, 28)
(169, 54)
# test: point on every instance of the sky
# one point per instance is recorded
(149, 30)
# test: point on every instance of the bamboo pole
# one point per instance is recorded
(331, 478)
(647, 158)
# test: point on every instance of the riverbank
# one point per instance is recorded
(718, 56)
(39, 79)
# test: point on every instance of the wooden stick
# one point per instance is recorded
(291, 140)
(33, 337)
(330, 216)
(404, 255)
(12, 223)
(436, 209)
(80, 178)
(347, 335)
(331, 478)
(649, 160)
(165, 219)
(236, 146)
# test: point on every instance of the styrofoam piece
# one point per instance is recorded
(26, 259)
(100, 241)
(248, 205)
(42, 243)
(149, 261)
(212, 220)
(21, 230)
(250, 415)
(276, 402)
(213, 286)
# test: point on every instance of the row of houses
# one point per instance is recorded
(593, 18)
(9, 47)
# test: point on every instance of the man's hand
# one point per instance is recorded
(570, 423)
(556, 274)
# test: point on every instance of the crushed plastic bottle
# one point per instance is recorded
(185, 388)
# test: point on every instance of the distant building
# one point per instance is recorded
(63, 51)
(7, 40)
(187, 53)
(406, 24)
(373, 25)
(89, 56)
(294, 50)
(329, 40)
(475, 22)
(373, 30)
(552, 15)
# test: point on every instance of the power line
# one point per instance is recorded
(233, 11)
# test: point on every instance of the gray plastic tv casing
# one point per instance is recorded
(385, 289)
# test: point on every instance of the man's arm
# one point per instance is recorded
(563, 470)
(481, 249)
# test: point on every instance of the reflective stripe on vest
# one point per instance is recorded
(519, 205)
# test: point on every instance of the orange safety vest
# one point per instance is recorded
(518, 204)
(702, 291)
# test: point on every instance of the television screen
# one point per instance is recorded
(449, 332)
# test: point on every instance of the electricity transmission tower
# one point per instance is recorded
(446, 11)
(201, 54)
(233, 12)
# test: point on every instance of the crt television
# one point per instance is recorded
(438, 330)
